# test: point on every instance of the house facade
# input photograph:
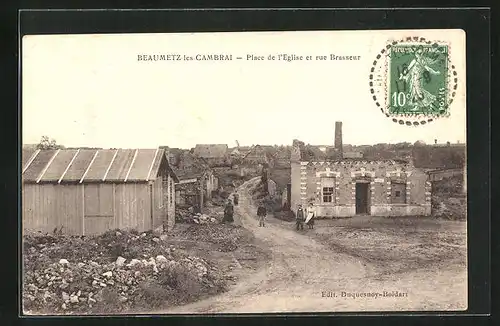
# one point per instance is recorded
(90, 191)
(348, 187)
(353, 187)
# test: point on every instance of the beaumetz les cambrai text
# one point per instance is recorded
(248, 57)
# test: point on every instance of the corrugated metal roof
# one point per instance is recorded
(56, 169)
(37, 166)
(87, 165)
(79, 165)
(27, 155)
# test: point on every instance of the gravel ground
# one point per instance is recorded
(348, 265)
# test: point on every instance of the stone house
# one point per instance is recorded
(341, 187)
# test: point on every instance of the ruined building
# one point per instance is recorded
(342, 187)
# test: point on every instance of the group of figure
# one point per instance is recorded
(229, 209)
(300, 218)
(301, 215)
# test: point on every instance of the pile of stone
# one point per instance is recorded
(227, 237)
(97, 282)
(185, 216)
(202, 219)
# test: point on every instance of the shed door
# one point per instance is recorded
(98, 208)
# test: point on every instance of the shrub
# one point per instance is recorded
(185, 283)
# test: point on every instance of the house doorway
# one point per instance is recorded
(362, 198)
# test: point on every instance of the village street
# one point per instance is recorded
(305, 275)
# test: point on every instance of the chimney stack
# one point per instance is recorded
(338, 138)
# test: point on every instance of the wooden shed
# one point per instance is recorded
(90, 191)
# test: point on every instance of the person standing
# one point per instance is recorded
(261, 213)
(299, 218)
(236, 198)
(311, 210)
(228, 212)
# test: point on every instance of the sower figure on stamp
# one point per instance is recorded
(299, 218)
(311, 215)
(261, 213)
(414, 76)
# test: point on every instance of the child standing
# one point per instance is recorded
(299, 218)
(261, 213)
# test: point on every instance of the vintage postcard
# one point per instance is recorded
(255, 172)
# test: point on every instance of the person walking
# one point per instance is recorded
(299, 218)
(261, 213)
(228, 212)
(311, 211)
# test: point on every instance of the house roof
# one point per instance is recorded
(92, 165)
(211, 150)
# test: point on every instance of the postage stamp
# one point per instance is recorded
(413, 81)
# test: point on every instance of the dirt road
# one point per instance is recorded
(307, 276)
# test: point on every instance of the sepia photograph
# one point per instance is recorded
(244, 172)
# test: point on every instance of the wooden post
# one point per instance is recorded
(114, 206)
(201, 195)
(83, 209)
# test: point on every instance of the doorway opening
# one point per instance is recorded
(362, 198)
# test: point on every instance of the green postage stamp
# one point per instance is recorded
(413, 81)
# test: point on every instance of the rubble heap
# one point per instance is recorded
(117, 271)
(226, 236)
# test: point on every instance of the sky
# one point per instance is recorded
(91, 90)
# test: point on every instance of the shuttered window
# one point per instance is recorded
(328, 190)
(398, 193)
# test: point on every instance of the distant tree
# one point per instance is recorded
(48, 143)
(419, 143)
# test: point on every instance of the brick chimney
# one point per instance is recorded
(338, 139)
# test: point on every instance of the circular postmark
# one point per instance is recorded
(413, 81)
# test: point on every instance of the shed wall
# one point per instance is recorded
(47, 206)
(84, 209)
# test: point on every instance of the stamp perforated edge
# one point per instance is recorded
(413, 119)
